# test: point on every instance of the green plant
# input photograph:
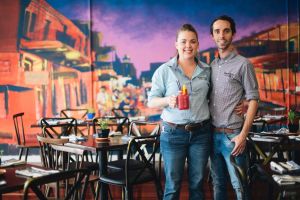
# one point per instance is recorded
(91, 110)
(103, 123)
(1, 154)
(292, 116)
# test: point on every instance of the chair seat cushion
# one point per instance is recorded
(118, 177)
(89, 165)
(120, 164)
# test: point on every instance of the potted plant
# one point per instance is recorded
(103, 130)
(91, 113)
(292, 121)
(1, 153)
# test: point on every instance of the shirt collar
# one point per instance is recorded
(173, 63)
(231, 55)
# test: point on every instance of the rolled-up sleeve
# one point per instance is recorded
(158, 88)
(250, 82)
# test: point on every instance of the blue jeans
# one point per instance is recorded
(222, 147)
(177, 145)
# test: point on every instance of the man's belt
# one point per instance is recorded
(223, 130)
(189, 126)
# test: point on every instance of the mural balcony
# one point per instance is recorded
(56, 51)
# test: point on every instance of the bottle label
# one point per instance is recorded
(183, 102)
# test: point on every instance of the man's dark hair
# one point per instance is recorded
(225, 18)
(187, 27)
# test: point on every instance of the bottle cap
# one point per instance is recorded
(184, 89)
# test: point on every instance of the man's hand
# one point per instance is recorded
(172, 101)
(239, 109)
(240, 145)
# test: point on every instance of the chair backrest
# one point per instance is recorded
(143, 128)
(78, 113)
(69, 155)
(135, 146)
(48, 155)
(79, 175)
(117, 124)
(125, 112)
(56, 127)
(19, 128)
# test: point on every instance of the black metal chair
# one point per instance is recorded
(116, 124)
(125, 112)
(56, 155)
(22, 144)
(77, 176)
(130, 176)
(78, 114)
(138, 129)
(242, 176)
(276, 191)
(57, 127)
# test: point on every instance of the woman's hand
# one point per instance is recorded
(172, 101)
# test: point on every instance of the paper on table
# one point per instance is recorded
(35, 172)
(286, 179)
(11, 162)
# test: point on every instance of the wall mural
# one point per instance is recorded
(57, 54)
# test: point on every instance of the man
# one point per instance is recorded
(233, 79)
(103, 101)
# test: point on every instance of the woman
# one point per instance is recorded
(185, 133)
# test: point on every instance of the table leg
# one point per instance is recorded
(103, 170)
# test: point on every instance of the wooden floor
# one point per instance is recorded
(147, 192)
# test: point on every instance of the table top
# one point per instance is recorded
(13, 182)
(91, 144)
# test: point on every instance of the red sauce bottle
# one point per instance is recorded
(183, 99)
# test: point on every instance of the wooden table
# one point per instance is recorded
(266, 173)
(267, 120)
(272, 143)
(101, 148)
(13, 182)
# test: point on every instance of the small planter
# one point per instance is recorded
(103, 133)
(293, 128)
(90, 115)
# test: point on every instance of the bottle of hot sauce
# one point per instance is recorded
(183, 99)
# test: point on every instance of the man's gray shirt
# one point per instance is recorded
(232, 78)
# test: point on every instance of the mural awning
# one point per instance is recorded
(102, 65)
(13, 88)
(82, 69)
(273, 61)
(55, 51)
(57, 75)
(106, 77)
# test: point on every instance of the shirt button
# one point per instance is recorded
(217, 79)
(219, 66)
(214, 104)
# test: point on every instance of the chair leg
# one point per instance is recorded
(20, 153)
(159, 190)
(128, 193)
(26, 154)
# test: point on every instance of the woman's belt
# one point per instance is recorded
(189, 126)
